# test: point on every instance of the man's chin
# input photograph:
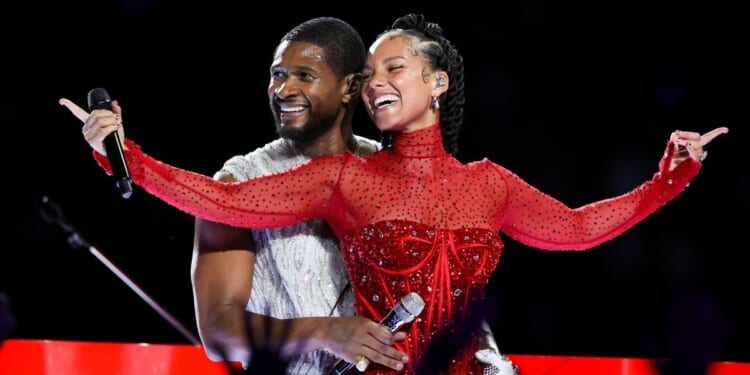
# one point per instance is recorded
(286, 126)
(291, 133)
(305, 129)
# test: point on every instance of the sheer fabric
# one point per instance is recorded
(412, 218)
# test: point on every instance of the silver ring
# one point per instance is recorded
(362, 363)
(703, 155)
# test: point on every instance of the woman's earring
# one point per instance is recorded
(440, 81)
(436, 102)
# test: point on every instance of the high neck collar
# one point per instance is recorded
(422, 143)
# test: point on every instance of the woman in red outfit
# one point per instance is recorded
(412, 218)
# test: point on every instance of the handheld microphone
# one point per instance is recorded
(98, 98)
(404, 312)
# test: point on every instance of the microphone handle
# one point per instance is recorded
(341, 367)
(119, 169)
(392, 321)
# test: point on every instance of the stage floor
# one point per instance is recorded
(53, 357)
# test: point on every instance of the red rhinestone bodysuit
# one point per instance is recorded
(412, 218)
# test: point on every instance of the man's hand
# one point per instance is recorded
(356, 336)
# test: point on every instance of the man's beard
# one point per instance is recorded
(308, 132)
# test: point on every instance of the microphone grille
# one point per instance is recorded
(96, 96)
(413, 303)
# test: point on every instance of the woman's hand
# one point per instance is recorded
(690, 144)
(98, 124)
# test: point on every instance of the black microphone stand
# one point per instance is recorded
(52, 214)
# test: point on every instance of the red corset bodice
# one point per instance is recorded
(448, 268)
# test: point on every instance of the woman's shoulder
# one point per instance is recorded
(486, 165)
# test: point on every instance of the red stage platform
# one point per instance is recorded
(49, 357)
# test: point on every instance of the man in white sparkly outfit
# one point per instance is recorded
(295, 274)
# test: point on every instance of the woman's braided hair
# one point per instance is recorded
(440, 54)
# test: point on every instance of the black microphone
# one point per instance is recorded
(99, 99)
(404, 312)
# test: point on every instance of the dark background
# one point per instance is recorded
(577, 97)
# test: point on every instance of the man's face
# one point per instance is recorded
(305, 95)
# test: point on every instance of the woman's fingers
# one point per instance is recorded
(708, 137)
(77, 111)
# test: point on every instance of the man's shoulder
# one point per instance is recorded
(367, 145)
(274, 156)
(275, 148)
(278, 148)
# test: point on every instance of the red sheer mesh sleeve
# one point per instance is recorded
(351, 192)
(300, 194)
(536, 219)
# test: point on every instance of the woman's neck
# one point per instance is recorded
(425, 142)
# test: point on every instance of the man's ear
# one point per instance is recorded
(353, 84)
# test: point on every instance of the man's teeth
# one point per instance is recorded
(292, 109)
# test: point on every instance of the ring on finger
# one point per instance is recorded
(703, 155)
(362, 363)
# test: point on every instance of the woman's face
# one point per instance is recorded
(398, 85)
